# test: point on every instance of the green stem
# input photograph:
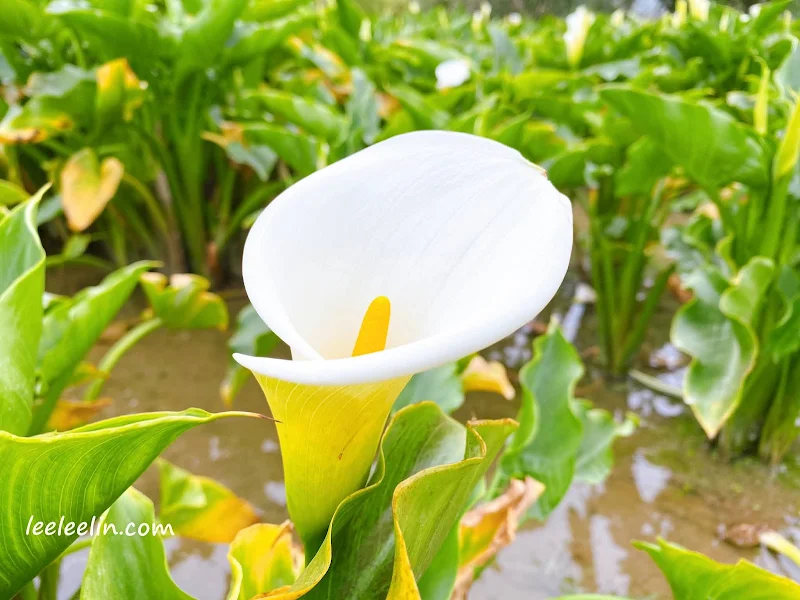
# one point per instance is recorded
(48, 581)
(771, 231)
(44, 406)
(80, 57)
(27, 593)
(117, 351)
(77, 546)
(153, 207)
(655, 384)
(255, 200)
(780, 429)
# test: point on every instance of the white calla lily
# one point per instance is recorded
(579, 22)
(452, 73)
(467, 239)
(403, 257)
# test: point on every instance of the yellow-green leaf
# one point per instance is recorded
(483, 376)
(186, 302)
(119, 92)
(38, 120)
(87, 185)
(263, 558)
(201, 508)
(69, 414)
(320, 475)
(692, 575)
(428, 467)
(789, 147)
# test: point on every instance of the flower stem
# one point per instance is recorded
(117, 351)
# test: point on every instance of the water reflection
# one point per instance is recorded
(650, 479)
(608, 558)
(200, 570)
(583, 547)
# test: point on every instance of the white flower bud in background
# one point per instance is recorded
(452, 73)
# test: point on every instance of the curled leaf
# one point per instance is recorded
(485, 530)
(483, 376)
(427, 469)
(263, 558)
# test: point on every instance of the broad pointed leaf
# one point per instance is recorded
(383, 537)
(711, 145)
(123, 566)
(715, 329)
(21, 288)
(547, 443)
(692, 575)
(75, 476)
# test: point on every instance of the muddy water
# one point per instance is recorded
(665, 482)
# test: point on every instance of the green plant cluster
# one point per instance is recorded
(165, 127)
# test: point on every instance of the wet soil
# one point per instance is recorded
(667, 481)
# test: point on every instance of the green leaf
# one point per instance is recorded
(788, 74)
(712, 146)
(440, 577)
(645, 164)
(549, 438)
(362, 107)
(441, 385)
(250, 40)
(394, 527)
(692, 575)
(122, 566)
(201, 508)
(203, 38)
(115, 35)
(350, 16)
(425, 114)
(75, 476)
(21, 287)
(11, 193)
(300, 151)
(600, 430)
(715, 329)
(315, 117)
(71, 328)
(783, 339)
(186, 302)
(252, 337)
(23, 19)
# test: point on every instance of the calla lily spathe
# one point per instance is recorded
(447, 242)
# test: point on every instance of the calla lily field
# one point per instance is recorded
(354, 301)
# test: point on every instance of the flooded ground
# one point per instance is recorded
(665, 482)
